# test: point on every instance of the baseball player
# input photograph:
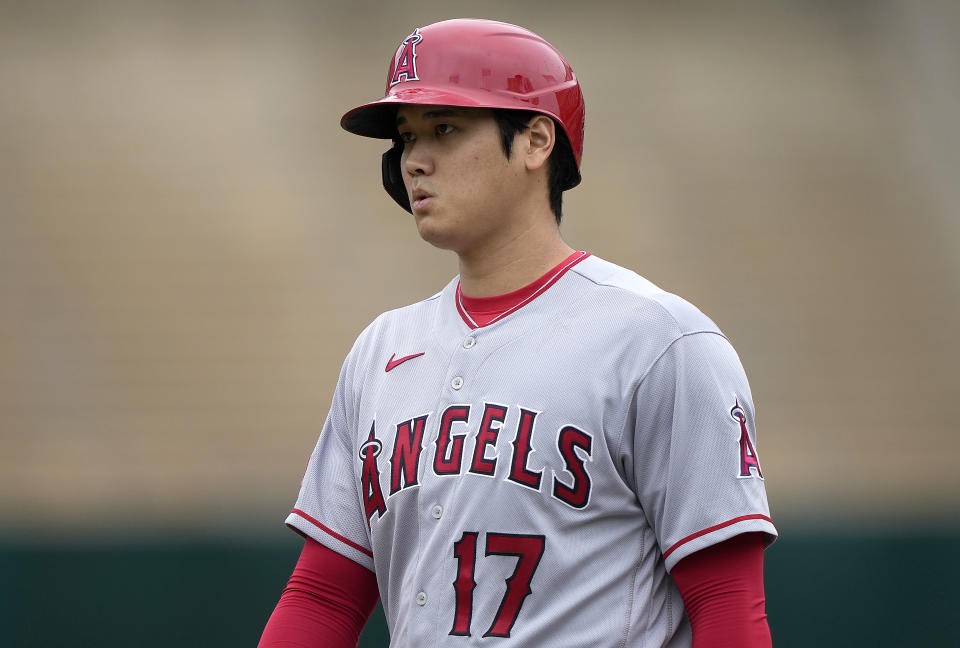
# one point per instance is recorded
(551, 451)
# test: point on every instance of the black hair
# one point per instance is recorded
(561, 166)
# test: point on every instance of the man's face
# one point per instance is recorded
(461, 186)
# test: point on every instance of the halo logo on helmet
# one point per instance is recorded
(407, 59)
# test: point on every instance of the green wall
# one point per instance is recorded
(868, 589)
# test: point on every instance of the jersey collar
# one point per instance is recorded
(478, 312)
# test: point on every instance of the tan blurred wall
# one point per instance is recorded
(189, 243)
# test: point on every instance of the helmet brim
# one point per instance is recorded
(379, 118)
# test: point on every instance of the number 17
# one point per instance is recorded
(527, 548)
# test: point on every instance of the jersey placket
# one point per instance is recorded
(440, 518)
(431, 593)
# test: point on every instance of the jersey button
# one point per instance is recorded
(437, 512)
(469, 342)
(421, 598)
(457, 383)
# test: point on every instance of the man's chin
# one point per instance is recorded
(436, 236)
(440, 234)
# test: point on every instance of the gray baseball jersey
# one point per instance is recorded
(537, 478)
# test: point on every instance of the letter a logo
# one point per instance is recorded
(370, 477)
(406, 62)
(748, 456)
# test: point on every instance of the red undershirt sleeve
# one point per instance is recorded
(722, 590)
(326, 603)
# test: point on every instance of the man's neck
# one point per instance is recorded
(513, 264)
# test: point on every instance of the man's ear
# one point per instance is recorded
(541, 135)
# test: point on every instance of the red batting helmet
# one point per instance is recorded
(472, 63)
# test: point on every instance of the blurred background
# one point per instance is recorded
(189, 245)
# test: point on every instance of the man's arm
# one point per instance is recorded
(722, 590)
(326, 603)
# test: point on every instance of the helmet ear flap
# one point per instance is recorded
(393, 177)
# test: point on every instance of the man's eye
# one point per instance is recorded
(444, 129)
(406, 138)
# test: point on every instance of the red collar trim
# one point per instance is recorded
(478, 312)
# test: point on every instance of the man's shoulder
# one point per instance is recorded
(395, 331)
(418, 316)
(618, 288)
(413, 310)
(418, 311)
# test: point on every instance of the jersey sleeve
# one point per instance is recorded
(696, 470)
(329, 508)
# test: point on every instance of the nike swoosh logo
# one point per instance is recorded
(391, 363)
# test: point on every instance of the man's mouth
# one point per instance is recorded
(420, 198)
